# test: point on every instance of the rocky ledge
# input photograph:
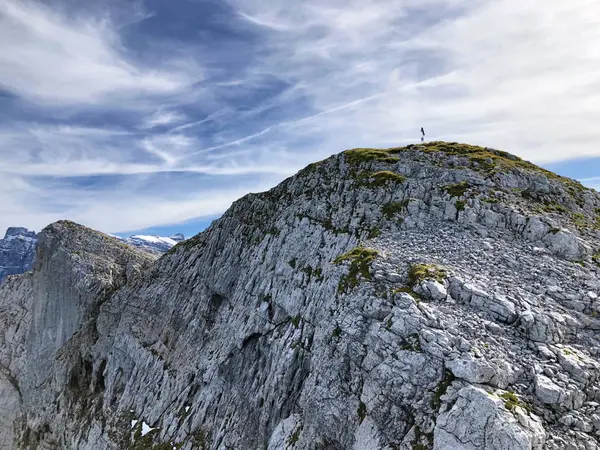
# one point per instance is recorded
(438, 296)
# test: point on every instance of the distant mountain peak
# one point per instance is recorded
(19, 231)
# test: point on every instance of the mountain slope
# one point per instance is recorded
(440, 296)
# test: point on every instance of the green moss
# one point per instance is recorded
(441, 389)
(421, 272)
(364, 155)
(412, 343)
(579, 220)
(374, 233)
(337, 331)
(458, 189)
(360, 263)
(554, 230)
(490, 200)
(460, 205)
(409, 291)
(293, 439)
(553, 207)
(384, 177)
(318, 274)
(388, 324)
(596, 259)
(389, 210)
(189, 244)
(292, 263)
(419, 443)
(201, 439)
(511, 401)
(146, 442)
(361, 411)
(296, 321)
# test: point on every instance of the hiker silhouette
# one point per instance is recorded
(423, 134)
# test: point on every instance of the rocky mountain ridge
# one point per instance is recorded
(17, 249)
(437, 296)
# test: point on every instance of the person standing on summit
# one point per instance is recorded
(422, 134)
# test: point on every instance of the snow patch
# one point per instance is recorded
(146, 428)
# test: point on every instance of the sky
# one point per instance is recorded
(152, 116)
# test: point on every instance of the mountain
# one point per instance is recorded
(153, 244)
(440, 296)
(17, 251)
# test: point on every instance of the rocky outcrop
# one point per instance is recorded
(17, 251)
(404, 299)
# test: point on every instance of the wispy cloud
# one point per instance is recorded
(49, 57)
(162, 118)
(252, 90)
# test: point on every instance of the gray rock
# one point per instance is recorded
(548, 392)
(472, 370)
(479, 420)
(274, 328)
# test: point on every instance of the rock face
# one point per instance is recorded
(439, 296)
(17, 251)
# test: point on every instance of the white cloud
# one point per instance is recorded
(161, 118)
(51, 58)
(121, 209)
(520, 76)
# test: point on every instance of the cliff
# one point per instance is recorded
(438, 296)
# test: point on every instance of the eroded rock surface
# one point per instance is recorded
(437, 296)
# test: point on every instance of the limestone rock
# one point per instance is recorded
(297, 321)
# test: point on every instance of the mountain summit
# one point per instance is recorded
(440, 296)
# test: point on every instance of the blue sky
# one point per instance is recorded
(153, 116)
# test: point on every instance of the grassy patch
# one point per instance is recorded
(384, 177)
(389, 210)
(460, 205)
(409, 291)
(579, 220)
(458, 189)
(360, 263)
(421, 272)
(364, 155)
(554, 207)
(490, 200)
(511, 401)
